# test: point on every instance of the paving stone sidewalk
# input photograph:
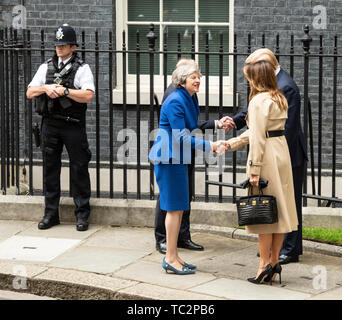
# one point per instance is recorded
(122, 263)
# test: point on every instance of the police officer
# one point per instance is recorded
(63, 86)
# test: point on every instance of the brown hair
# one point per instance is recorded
(261, 77)
(263, 54)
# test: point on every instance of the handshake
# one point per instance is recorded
(220, 147)
(226, 123)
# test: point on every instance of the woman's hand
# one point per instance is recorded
(227, 145)
(219, 147)
(254, 180)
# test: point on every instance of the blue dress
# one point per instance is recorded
(171, 151)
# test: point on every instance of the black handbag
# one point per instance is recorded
(256, 209)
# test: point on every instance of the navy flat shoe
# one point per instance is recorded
(167, 267)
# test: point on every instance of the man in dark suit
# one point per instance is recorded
(292, 245)
(184, 238)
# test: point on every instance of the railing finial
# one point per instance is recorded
(307, 39)
(151, 37)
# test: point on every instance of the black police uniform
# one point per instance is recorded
(63, 124)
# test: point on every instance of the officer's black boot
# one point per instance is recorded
(48, 222)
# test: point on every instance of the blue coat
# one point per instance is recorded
(293, 129)
(178, 118)
(201, 124)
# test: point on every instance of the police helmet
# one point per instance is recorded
(65, 35)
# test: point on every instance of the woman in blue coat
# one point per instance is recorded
(171, 154)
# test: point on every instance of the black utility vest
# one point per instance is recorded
(77, 110)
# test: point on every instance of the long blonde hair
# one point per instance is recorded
(261, 77)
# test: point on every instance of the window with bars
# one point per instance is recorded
(178, 19)
(174, 18)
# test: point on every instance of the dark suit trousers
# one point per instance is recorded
(56, 134)
(293, 241)
(159, 220)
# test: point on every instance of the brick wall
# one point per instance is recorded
(271, 17)
(286, 17)
(83, 15)
(6, 7)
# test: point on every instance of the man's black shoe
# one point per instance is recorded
(188, 244)
(48, 222)
(161, 247)
(284, 259)
(82, 225)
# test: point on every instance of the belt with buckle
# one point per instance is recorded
(66, 118)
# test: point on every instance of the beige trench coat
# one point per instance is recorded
(270, 159)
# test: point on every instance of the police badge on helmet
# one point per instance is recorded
(65, 34)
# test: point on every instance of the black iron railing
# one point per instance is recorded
(19, 61)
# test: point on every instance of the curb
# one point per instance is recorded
(68, 284)
(69, 288)
(208, 217)
(140, 213)
(235, 233)
(65, 290)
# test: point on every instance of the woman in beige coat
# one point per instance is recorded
(268, 158)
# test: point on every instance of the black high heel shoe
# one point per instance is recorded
(276, 269)
(265, 273)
